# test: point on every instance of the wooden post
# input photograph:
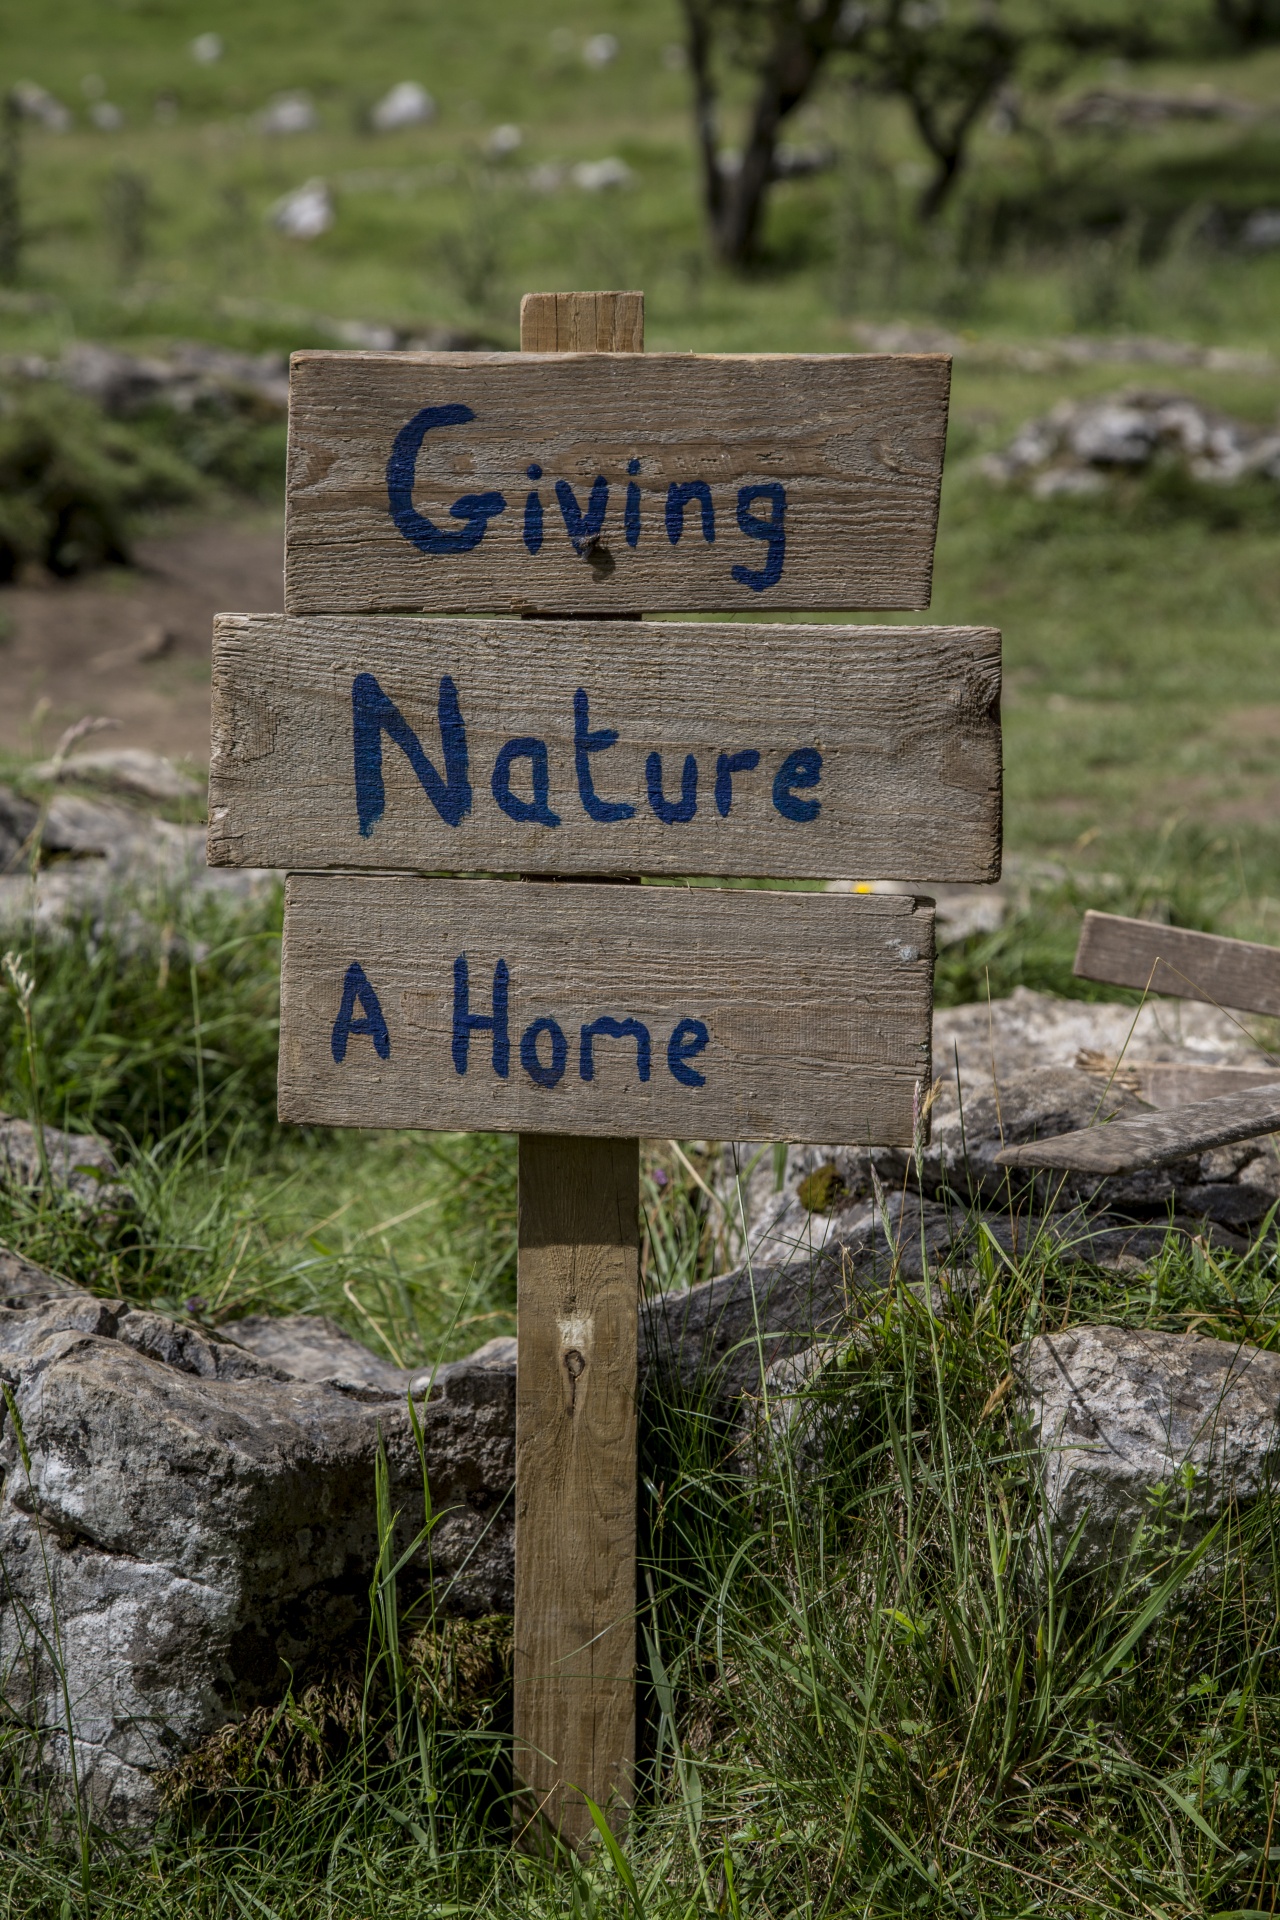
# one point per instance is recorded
(577, 1299)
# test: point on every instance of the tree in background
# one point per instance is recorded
(947, 62)
(1251, 22)
(10, 189)
(782, 45)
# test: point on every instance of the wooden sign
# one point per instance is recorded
(605, 482)
(584, 478)
(660, 748)
(1179, 962)
(604, 1010)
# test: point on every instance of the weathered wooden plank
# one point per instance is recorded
(1171, 960)
(605, 482)
(1156, 1139)
(575, 1630)
(758, 1015)
(878, 748)
(1169, 1083)
(582, 323)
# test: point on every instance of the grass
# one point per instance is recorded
(870, 1687)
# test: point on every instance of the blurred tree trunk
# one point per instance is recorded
(1250, 21)
(783, 45)
(10, 189)
(947, 65)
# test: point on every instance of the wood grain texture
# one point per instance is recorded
(816, 1007)
(1168, 1083)
(854, 440)
(1171, 960)
(575, 1631)
(582, 323)
(1156, 1139)
(577, 1288)
(906, 720)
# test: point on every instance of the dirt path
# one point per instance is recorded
(133, 644)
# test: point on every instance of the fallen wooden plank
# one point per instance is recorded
(1171, 1084)
(602, 482)
(1171, 960)
(696, 1012)
(868, 751)
(1153, 1140)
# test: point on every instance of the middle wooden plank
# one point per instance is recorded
(505, 745)
(477, 1005)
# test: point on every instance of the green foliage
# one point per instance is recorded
(153, 1021)
(71, 481)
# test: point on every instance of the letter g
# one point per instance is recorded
(476, 509)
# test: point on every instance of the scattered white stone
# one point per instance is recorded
(288, 113)
(127, 769)
(599, 176)
(206, 49)
(106, 117)
(37, 103)
(406, 105)
(1061, 481)
(1073, 449)
(547, 177)
(1261, 231)
(504, 141)
(600, 50)
(305, 213)
(371, 335)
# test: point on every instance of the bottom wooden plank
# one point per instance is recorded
(1155, 1139)
(595, 1009)
(575, 1626)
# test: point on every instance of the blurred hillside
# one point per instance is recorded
(220, 173)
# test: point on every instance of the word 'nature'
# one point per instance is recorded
(374, 713)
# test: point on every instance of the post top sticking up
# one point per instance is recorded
(582, 323)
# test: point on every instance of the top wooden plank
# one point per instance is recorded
(605, 482)
(1175, 961)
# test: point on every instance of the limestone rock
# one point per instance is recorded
(198, 1520)
(1093, 437)
(127, 769)
(18, 820)
(1014, 1070)
(122, 857)
(24, 1284)
(79, 1164)
(1118, 1415)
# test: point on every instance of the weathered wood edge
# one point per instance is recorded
(1156, 1139)
(975, 693)
(1179, 962)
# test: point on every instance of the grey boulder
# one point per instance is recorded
(185, 1524)
(1128, 1421)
